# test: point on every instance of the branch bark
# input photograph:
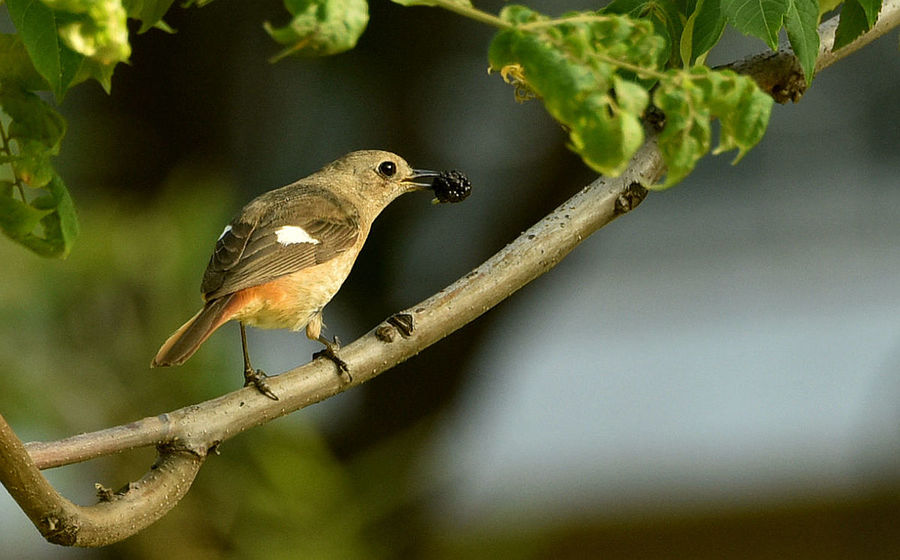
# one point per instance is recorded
(118, 516)
(185, 436)
(200, 427)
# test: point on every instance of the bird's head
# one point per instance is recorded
(376, 177)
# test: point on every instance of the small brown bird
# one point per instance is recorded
(289, 250)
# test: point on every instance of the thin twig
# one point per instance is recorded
(467, 10)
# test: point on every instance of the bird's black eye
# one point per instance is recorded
(387, 168)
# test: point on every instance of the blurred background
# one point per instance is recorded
(714, 375)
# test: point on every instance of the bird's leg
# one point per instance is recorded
(255, 377)
(314, 332)
(330, 352)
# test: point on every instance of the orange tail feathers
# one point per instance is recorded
(186, 340)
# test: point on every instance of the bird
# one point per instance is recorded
(288, 251)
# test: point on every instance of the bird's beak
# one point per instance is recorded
(422, 178)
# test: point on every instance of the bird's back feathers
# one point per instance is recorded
(253, 251)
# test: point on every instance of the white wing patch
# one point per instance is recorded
(226, 230)
(288, 235)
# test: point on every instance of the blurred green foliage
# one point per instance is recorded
(320, 28)
(57, 44)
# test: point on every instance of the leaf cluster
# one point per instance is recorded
(692, 27)
(58, 44)
(572, 65)
(690, 99)
(44, 222)
(597, 73)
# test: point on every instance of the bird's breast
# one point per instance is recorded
(290, 301)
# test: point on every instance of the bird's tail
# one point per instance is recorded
(186, 340)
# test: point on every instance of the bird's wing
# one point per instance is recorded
(277, 234)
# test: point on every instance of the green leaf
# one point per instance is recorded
(709, 24)
(631, 97)
(95, 28)
(760, 18)
(632, 8)
(606, 141)
(691, 99)
(16, 66)
(320, 27)
(32, 164)
(580, 66)
(686, 44)
(37, 25)
(571, 64)
(801, 22)
(686, 7)
(17, 219)
(764, 19)
(32, 118)
(466, 3)
(149, 12)
(61, 225)
(687, 133)
(857, 17)
(91, 69)
(872, 8)
(690, 28)
(48, 226)
(667, 19)
(852, 24)
(743, 111)
(36, 129)
(828, 5)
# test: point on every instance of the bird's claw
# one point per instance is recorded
(330, 352)
(257, 378)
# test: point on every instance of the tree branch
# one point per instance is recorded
(184, 437)
(197, 428)
(118, 516)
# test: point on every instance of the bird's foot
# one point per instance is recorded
(330, 352)
(257, 378)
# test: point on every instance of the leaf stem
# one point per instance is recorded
(296, 47)
(471, 12)
(648, 72)
(560, 21)
(8, 151)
